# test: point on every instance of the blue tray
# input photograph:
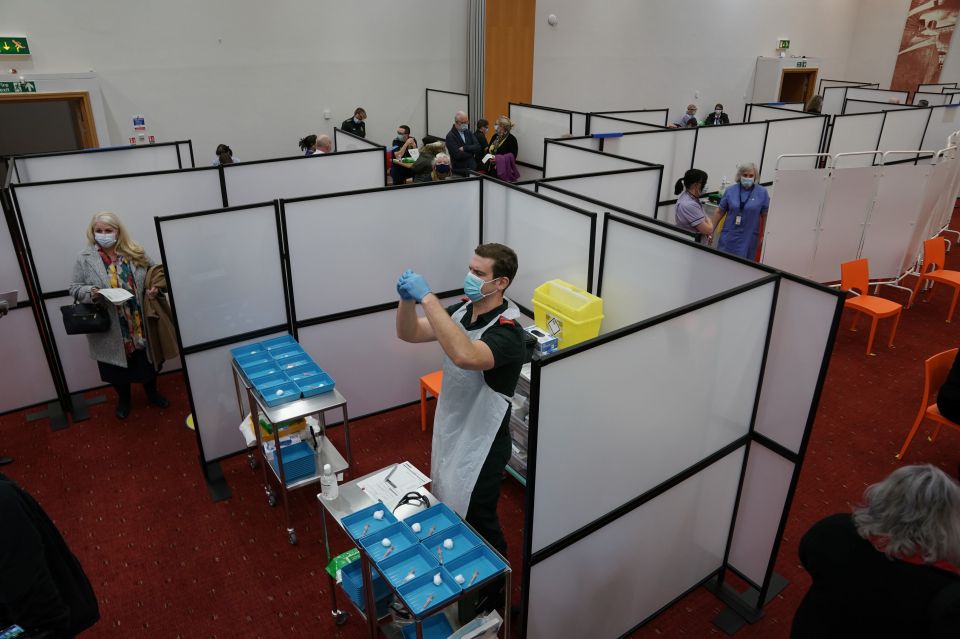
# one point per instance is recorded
(399, 535)
(247, 361)
(274, 379)
(279, 394)
(303, 371)
(398, 565)
(480, 559)
(299, 461)
(252, 348)
(316, 385)
(292, 363)
(287, 351)
(278, 342)
(261, 370)
(352, 583)
(416, 593)
(435, 627)
(438, 517)
(355, 523)
(463, 541)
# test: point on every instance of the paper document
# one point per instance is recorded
(116, 295)
(414, 153)
(392, 483)
(487, 158)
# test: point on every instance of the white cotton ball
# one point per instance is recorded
(386, 542)
(448, 544)
(415, 527)
(437, 579)
(459, 579)
(378, 514)
(279, 391)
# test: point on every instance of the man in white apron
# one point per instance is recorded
(483, 350)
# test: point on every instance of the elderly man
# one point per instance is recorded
(324, 145)
(462, 145)
(684, 120)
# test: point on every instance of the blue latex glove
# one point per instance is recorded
(415, 286)
(403, 293)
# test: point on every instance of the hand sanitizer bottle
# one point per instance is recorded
(329, 489)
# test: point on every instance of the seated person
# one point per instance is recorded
(691, 114)
(692, 124)
(441, 168)
(400, 172)
(948, 398)
(324, 145)
(224, 155)
(308, 144)
(717, 117)
(422, 169)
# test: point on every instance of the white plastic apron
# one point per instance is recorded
(468, 416)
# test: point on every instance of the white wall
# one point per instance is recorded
(627, 54)
(251, 74)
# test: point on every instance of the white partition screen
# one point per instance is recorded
(55, 215)
(853, 133)
(634, 190)
(903, 130)
(254, 182)
(442, 106)
(790, 234)
(375, 236)
(762, 113)
(632, 257)
(579, 126)
(562, 160)
(851, 107)
(791, 137)
(187, 159)
(100, 163)
(877, 95)
(848, 202)
(211, 278)
(79, 369)
(944, 120)
(343, 141)
(584, 142)
(21, 351)
(11, 279)
(673, 149)
(609, 124)
(552, 241)
(720, 149)
(533, 124)
(933, 99)
(833, 98)
(647, 116)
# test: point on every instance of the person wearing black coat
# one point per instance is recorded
(892, 568)
(356, 124)
(717, 117)
(462, 145)
(43, 588)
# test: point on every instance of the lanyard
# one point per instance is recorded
(743, 202)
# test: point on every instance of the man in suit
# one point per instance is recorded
(717, 117)
(462, 145)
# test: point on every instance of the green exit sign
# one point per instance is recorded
(14, 45)
(18, 87)
(783, 44)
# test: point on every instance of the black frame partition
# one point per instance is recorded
(570, 113)
(876, 147)
(846, 83)
(107, 149)
(619, 116)
(426, 112)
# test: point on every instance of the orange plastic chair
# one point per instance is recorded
(934, 255)
(432, 383)
(855, 276)
(935, 371)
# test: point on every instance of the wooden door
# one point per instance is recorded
(43, 122)
(508, 63)
(798, 85)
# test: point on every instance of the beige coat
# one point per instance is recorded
(158, 319)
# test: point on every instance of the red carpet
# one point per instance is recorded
(166, 562)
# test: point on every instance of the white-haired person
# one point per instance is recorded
(889, 569)
(112, 259)
(441, 168)
(742, 208)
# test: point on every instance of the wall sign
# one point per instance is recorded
(14, 45)
(18, 87)
(783, 44)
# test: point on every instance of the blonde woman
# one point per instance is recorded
(441, 167)
(112, 259)
(503, 141)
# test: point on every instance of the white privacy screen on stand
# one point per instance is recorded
(565, 160)
(790, 234)
(300, 177)
(632, 291)
(833, 100)
(79, 368)
(720, 149)
(11, 279)
(933, 99)
(766, 485)
(211, 278)
(760, 113)
(847, 204)
(345, 348)
(893, 218)
(579, 124)
(930, 212)
(602, 124)
(442, 106)
(531, 126)
(628, 450)
(601, 586)
(584, 143)
(551, 240)
(56, 216)
(375, 237)
(21, 351)
(903, 130)
(632, 190)
(187, 161)
(791, 137)
(800, 337)
(346, 142)
(673, 149)
(142, 159)
(863, 106)
(653, 116)
(943, 122)
(854, 133)
(878, 95)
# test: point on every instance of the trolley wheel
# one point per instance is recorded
(292, 538)
(252, 462)
(272, 499)
(340, 617)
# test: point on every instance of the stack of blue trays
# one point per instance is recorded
(281, 371)
(352, 582)
(435, 627)
(299, 461)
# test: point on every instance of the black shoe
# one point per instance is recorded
(6, 460)
(159, 400)
(123, 410)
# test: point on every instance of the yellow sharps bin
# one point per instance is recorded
(570, 313)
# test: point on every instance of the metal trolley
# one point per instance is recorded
(325, 451)
(352, 499)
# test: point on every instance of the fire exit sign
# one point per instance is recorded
(14, 45)
(783, 44)
(18, 87)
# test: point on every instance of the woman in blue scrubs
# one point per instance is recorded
(742, 206)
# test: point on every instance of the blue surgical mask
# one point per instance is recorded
(473, 285)
(106, 240)
(746, 182)
(464, 127)
(357, 120)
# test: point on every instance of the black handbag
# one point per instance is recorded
(81, 318)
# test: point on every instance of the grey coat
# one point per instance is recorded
(89, 272)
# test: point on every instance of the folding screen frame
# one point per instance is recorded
(181, 161)
(363, 142)
(843, 83)
(841, 91)
(749, 610)
(778, 106)
(570, 126)
(625, 115)
(828, 141)
(923, 87)
(426, 119)
(881, 106)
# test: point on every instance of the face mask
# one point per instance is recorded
(718, 111)
(106, 240)
(464, 127)
(400, 138)
(443, 168)
(472, 286)
(746, 182)
(357, 120)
